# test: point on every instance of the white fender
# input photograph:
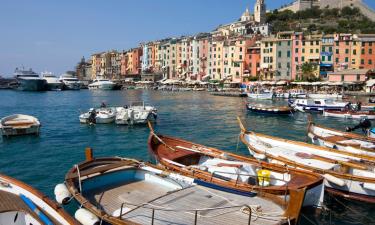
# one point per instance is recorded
(334, 180)
(260, 156)
(62, 194)
(85, 217)
(369, 186)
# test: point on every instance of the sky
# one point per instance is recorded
(53, 35)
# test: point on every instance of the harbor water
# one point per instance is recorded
(196, 116)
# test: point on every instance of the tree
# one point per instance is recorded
(308, 72)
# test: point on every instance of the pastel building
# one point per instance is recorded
(367, 51)
(268, 58)
(252, 62)
(203, 56)
(297, 43)
(284, 56)
(215, 65)
(311, 46)
(326, 55)
(349, 76)
(343, 51)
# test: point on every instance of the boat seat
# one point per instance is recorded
(18, 123)
(335, 138)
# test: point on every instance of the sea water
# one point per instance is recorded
(195, 116)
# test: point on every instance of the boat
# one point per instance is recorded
(261, 95)
(53, 82)
(317, 105)
(344, 175)
(20, 204)
(28, 80)
(371, 100)
(98, 116)
(19, 124)
(350, 114)
(325, 96)
(70, 82)
(349, 143)
(136, 113)
(125, 191)
(273, 110)
(230, 170)
(102, 84)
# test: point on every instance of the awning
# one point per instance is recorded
(282, 82)
(370, 83)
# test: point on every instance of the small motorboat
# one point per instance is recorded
(325, 96)
(21, 204)
(19, 124)
(98, 116)
(229, 170)
(136, 113)
(123, 191)
(350, 114)
(261, 95)
(345, 174)
(371, 100)
(272, 110)
(317, 105)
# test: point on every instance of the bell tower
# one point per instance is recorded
(260, 12)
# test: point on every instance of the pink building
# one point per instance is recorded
(203, 56)
(297, 39)
(359, 75)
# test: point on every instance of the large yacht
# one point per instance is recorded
(28, 80)
(53, 82)
(70, 82)
(102, 84)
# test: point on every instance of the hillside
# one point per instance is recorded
(345, 20)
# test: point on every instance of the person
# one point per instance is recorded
(103, 105)
(359, 106)
(92, 117)
(364, 124)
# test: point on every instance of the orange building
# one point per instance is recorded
(367, 42)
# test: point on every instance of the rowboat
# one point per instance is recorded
(19, 124)
(20, 204)
(273, 110)
(232, 171)
(349, 114)
(125, 191)
(344, 175)
(348, 143)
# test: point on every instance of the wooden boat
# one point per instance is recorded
(21, 204)
(350, 114)
(345, 175)
(232, 171)
(347, 143)
(273, 110)
(19, 124)
(125, 191)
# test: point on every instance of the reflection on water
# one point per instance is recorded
(199, 117)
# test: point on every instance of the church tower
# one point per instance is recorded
(260, 12)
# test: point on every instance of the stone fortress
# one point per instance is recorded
(298, 5)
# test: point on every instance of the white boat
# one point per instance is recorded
(325, 96)
(261, 96)
(98, 116)
(345, 175)
(19, 124)
(20, 204)
(70, 82)
(318, 105)
(53, 82)
(136, 113)
(350, 114)
(28, 80)
(102, 84)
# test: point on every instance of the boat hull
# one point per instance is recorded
(32, 85)
(55, 86)
(72, 86)
(349, 115)
(262, 96)
(325, 96)
(268, 110)
(107, 87)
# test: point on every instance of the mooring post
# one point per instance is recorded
(196, 217)
(89, 154)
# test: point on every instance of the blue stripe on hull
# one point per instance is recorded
(225, 189)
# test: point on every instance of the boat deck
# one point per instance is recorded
(10, 202)
(178, 207)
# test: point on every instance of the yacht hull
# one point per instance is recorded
(32, 85)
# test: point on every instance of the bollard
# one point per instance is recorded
(89, 154)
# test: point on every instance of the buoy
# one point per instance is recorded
(369, 186)
(264, 177)
(62, 194)
(85, 217)
(334, 180)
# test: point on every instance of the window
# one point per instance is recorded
(288, 54)
(279, 43)
(317, 50)
(362, 61)
(346, 51)
(337, 43)
(311, 43)
(337, 60)
(323, 49)
(279, 54)
(363, 51)
(342, 77)
(311, 50)
(346, 42)
(329, 58)
(240, 49)
(337, 51)
(240, 57)
(370, 44)
(370, 62)
(288, 65)
(370, 51)
(303, 50)
(323, 58)
(279, 65)
(296, 50)
(296, 59)
(346, 59)
(288, 43)
(303, 58)
(358, 77)
(330, 49)
(297, 42)
(317, 102)
(354, 52)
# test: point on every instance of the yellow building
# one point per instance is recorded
(268, 58)
(311, 50)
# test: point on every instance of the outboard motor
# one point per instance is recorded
(364, 124)
(92, 117)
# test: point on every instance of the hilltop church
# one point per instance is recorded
(248, 23)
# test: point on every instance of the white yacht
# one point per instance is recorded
(53, 82)
(28, 80)
(70, 82)
(102, 84)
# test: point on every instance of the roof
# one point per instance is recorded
(350, 72)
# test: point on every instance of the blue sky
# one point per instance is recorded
(54, 35)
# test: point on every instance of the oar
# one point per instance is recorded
(321, 158)
(157, 137)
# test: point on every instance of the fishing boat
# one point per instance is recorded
(19, 124)
(20, 204)
(230, 170)
(125, 191)
(346, 142)
(317, 105)
(350, 114)
(345, 175)
(273, 110)
(136, 113)
(98, 116)
(325, 96)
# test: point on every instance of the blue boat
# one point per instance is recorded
(317, 105)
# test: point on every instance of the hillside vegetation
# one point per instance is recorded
(346, 20)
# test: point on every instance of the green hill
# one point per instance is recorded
(346, 20)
